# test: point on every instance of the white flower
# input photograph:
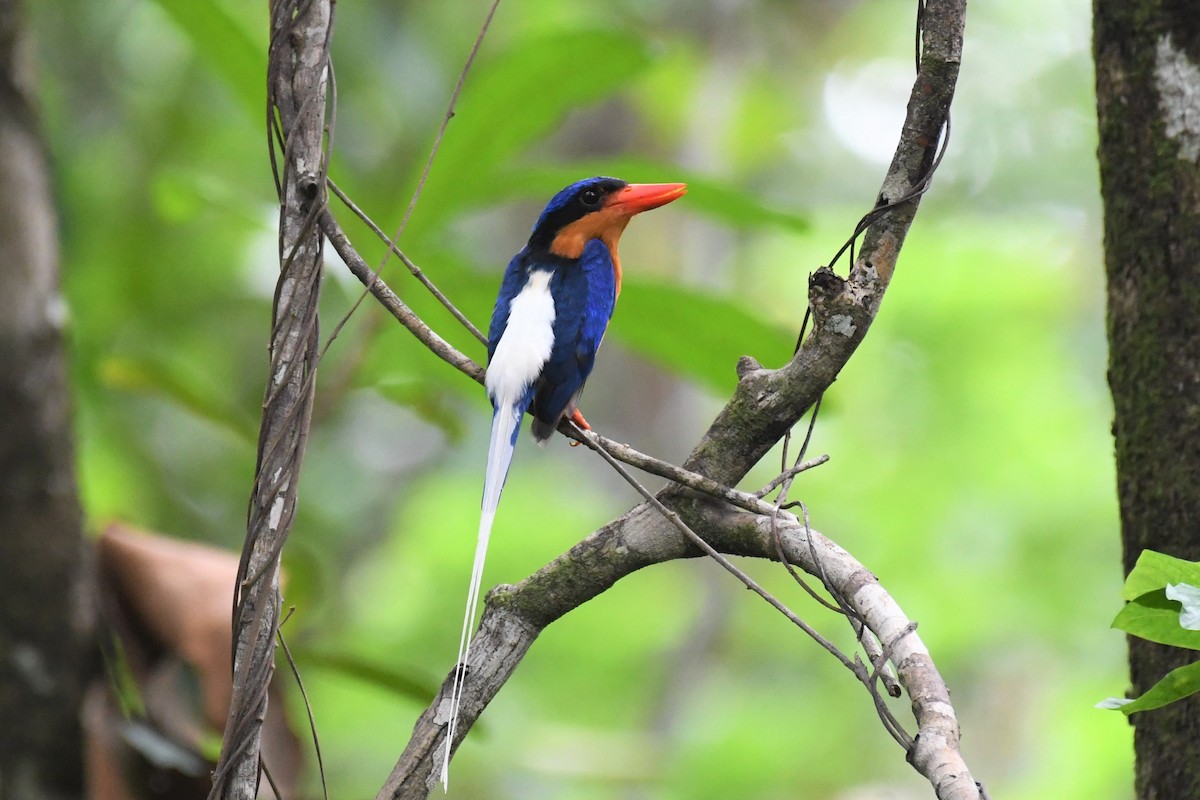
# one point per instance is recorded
(1189, 596)
(1113, 702)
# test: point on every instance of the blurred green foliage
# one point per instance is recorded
(971, 460)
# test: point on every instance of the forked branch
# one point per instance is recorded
(766, 404)
(515, 615)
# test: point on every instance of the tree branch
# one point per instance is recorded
(298, 70)
(392, 302)
(46, 613)
(515, 615)
(413, 269)
(767, 403)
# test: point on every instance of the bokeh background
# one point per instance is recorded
(971, 457)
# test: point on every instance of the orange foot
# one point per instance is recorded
(578, 419)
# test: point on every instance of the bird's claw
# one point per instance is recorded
(580, 423)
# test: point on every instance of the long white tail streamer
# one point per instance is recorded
(500, 453)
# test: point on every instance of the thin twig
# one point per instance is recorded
(887, 204)
(271, 780)
(412, 203)
(859, 626)
(712, 552)
(665, 469)
(391, 243)
(403, 314)
(777, 539)
(790, 473)
(784, 482)
(437, 142)
(416, 271)
(312, 722)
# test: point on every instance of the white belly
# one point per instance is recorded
(524, 347)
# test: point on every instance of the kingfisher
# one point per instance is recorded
(555, 301)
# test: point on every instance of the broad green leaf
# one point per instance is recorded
(158, 377)
(409, 373)
(221, 40)
(425, 399)
(408, 683)
(1175, 685)
(516, 99)
(405, 683)
(696, 335)
(708, 196)
(1155, 570)
(1152, 616)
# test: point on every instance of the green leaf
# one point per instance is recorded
(1155, 570)
(1152, 616)
(157, 376)
(419, 688)
(221, 40)
(1175, 685)
(209, 745)
(713, 198)
(425, 399)
(516, 99)
(122, 682)
(696, 335)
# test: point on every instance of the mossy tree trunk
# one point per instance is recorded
(1148, 94)
(42, 621)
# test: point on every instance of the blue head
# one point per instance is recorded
(596, 208)
(573, 203)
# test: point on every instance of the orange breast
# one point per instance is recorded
(607, 225)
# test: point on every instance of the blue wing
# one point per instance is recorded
(584, 296)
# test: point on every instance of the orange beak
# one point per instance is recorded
(638, 197)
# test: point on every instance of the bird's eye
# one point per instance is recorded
(590, 198)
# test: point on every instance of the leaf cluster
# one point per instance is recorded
(1155, 613)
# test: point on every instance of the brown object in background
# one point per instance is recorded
(165, 606)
